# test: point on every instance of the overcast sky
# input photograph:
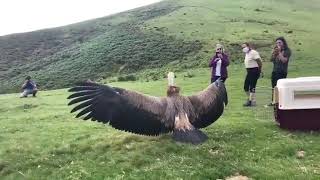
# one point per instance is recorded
(18, 16)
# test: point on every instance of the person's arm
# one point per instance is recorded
(259, 62)
(24, 84)
(275, 54)
(257, 58)
(34, 84)
(225, 60)
(213, 61)
(272, 59)
(284, 56)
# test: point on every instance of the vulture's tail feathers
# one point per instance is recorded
(194, 136)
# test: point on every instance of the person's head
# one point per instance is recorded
(246, 47)
(28, 77)
(281, 43)
(219, 48)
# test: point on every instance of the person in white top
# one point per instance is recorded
(218, 64)
(253, 64)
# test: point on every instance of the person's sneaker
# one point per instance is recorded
(253, 103)
(270, 104)
(248, 103)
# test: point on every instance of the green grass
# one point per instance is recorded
(40, 139)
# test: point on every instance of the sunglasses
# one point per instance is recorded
(219, 49)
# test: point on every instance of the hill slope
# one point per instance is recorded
(98, 48)
(171, 35)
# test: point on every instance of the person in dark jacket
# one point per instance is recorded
(218, 64)
(29, 87)
(280, 58)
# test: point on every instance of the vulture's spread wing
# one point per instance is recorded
(122, 109)
(209, 104)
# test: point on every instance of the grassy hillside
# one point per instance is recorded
(94, 49)
(175, 35)
(40, 139)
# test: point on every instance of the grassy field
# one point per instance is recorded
(40, 139)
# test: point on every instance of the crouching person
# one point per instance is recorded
(29, 87)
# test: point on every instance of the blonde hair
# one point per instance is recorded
(218, 46)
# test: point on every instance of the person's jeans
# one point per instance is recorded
(252, 77)
(276, 76)
(26, 92)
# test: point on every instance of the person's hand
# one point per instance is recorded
(276, 51)
(281, 54)
(261, 74)
(217, 59)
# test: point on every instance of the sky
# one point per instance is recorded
(17, 16)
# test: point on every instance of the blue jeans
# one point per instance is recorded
(26, 92)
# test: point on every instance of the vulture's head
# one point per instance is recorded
(173, 91)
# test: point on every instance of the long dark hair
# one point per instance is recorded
(285, 44)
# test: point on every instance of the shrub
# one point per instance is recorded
(127, 78)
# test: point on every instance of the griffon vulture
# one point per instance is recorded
(142, 114)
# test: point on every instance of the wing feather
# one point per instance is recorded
(209, 104)
(122, 109)
(79, 94)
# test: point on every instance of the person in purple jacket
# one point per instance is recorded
(218, 64)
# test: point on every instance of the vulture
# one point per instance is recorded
(130, 111)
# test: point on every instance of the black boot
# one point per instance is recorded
(34, 93)
(248, 103)
(270, 104)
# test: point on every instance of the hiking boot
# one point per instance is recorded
(247, 104)
(252, 97)
(270, 104)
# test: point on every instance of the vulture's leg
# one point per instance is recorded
(185, 132)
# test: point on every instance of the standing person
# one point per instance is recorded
(218, 64)
(29, 87)
(253, 66)
(280, 58)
